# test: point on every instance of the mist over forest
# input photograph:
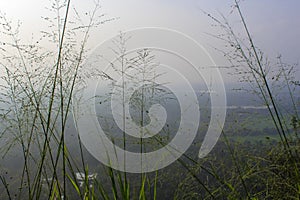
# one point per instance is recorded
(149, 99)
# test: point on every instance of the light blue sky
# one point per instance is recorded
(274, 24)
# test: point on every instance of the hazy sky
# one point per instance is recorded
(274, 24)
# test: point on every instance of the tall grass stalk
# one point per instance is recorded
(251, 66)
(40, 101)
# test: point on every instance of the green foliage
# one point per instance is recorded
(37, 98)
